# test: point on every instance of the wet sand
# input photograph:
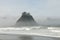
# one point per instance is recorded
(25, 37)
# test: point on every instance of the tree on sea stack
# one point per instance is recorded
(26, 20)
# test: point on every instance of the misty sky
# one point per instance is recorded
(42, 8)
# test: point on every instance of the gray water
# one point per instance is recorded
(32, 34)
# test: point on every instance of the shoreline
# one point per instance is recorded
(25, 37)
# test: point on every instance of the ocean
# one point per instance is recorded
(30, 33)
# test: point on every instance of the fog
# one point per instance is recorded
(9, 21)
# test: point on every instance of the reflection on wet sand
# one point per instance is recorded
(25, 37)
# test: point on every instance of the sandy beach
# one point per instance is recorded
(25, 37)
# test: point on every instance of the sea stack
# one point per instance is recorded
(26, 20)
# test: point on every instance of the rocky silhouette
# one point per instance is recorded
(26, 20)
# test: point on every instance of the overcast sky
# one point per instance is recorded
(42, 8)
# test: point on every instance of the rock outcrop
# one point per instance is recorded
(26, 20)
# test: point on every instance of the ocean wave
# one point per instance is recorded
(30, 31)
(20, 28)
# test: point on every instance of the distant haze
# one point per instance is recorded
(5, 22)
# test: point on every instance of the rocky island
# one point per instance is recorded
(26, 20)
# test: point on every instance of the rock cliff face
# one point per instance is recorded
(26, 20)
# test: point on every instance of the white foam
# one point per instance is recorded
(29, 31)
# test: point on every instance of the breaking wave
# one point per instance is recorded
(35, 30)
